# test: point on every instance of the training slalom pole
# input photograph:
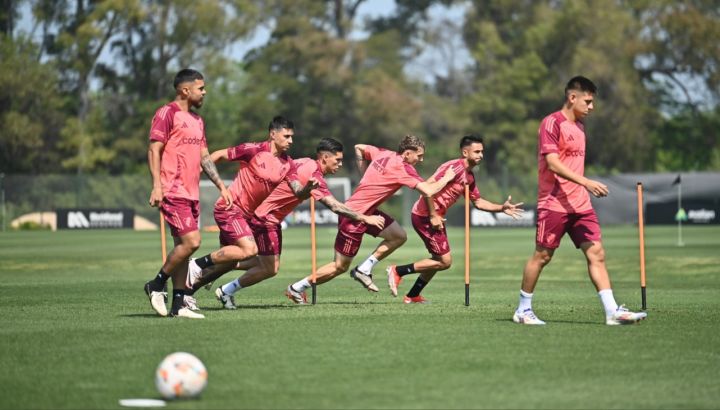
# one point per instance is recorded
(313, 256)
(641, 230)
(163, 238)
(467, 245)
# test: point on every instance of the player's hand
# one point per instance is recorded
(375, 220)
(312, 184)
(226, 195)
(436, 221)
(598, 189)
(511, 209)
(156, 197)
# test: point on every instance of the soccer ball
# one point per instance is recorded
(180, 375)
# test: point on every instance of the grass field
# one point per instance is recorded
(78, 332)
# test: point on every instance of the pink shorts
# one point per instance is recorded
(181, 214)
(232, 223)
(268, 237)
(350, 233)
(551, 226)
(436, 241)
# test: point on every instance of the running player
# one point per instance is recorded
(177, 152)
(266, 221)
(387, 173)
(263, 166)
(428, 215)
(564, 204)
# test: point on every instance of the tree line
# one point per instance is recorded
(81, 81)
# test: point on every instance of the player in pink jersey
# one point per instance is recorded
(178, 150)
(266, 221)
(263, 167)
(428, 214)
(387, 172)
(564, 204)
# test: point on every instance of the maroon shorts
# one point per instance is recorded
(268, 237)
(436, 241)
(232, 223)
(551, 226)
(181, 214)
(350, 233)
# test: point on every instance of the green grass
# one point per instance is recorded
(78, 332)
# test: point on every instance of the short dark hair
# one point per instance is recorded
(329, 145)
(280, 122)
(410, 142)
(187, 75)
(580, 83)
(469, 140)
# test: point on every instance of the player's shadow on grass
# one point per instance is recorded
(143, 315)
(551, 322)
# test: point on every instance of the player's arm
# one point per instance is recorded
(154, 155)
(436, 221)
(360, 160)
(508, 208)
(211, 171)
(596, 188)
(342, 209)
(219, 155)
(428, 188)
(300, 191)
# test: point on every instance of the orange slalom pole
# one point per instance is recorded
(163, 238)
(467, 245)
(641, 231)
(313, 255)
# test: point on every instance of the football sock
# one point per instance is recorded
(403, 270)
(417, 288)
(525, 301)
(608, 301)
(177, 300)
(301, 285)
(159, 280)
(366, 267)
(205, 261)
(231, 287)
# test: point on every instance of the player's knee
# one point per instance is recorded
(193, 244)
(445, 263)
(543, 258)
(341, 267)
(400, 238)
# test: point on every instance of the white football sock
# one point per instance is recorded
(301, 285)
(608, 301)
(367, 266)
(525, 301)
(232, 287)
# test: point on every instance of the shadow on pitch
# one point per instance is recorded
(551, 322)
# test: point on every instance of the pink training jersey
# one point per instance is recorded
(282, 200)
(452, 191)
(386, 174)
(259, 173)
(183, 133)
(567, 139)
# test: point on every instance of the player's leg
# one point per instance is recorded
(182, 216)
(550, 228)
(347, 244)
(437, 244)
(393, 236)
(585, 233)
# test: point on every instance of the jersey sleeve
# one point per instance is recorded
(244, 152)
(474, 191)
(549, 135)
(322, 190)
(292, 174)
(409, 176)
(202, 127)
(371, 152)
(162, 124)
